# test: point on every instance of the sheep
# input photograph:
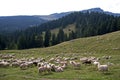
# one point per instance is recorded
(102, 67)
(52, 67)
(41, 69)
(23, 66)
(86, 60)
(51, 60)
(47, 67)
(106, 57)
(4, 64)
(44, 67)
(15, 64)
(63, 62)
(66, 59)
(75, 64)
(64, 66)
(29, 64)
(73, 58)
(58, 69)
(95, 63)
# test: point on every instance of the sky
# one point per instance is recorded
(45, 7)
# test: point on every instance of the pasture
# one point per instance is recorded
(97, 46)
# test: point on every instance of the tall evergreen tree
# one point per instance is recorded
(47, 38)
(2, 43)
(39, 41)
(22, 42)
(60, 36)
(54, 40)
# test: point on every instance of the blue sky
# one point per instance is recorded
(45, 7)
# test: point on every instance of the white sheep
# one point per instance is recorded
(102, 67)
(47, 67)
(75, 64)
(95, 63)
(41, 69)
(4, 64)
(23, 66)
(52, 59)
(15, 64)
(64, 66)
(58, 69)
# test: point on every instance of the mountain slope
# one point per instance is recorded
(99, 10)
(103, 44)
(97, 46)
(54, 16)
(77, 25)
(13, 23)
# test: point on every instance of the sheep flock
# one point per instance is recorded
(56, 63)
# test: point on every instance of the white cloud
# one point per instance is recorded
(39, 7)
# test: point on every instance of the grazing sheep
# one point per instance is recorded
(95, 63)
(64, 66)
(86, 60)
(44, 67)
(23, 66)
(51, 60)
(15, 64)
(106, 57)
(102, 67)
(47, 67)
(30, 64)
(4, 64)
(73, 58)
(58, 69)
(63, 62)
(52, 67)
(41, 69)
(75, 64)
(66, 59)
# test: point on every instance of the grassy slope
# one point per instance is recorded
(92, 46)
(67, 30)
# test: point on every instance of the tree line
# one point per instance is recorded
(86, 24)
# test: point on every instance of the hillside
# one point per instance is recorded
(12, 23)
(100, 43)
(98, 46)
(72, 26)
(66, 30)
(54, 16)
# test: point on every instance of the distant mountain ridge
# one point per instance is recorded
(54, 16)
(12, 23)
(100, 11)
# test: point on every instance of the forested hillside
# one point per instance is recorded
(86, 24)
(12, 23)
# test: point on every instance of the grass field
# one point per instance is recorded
(66, 30)
(98, 46)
